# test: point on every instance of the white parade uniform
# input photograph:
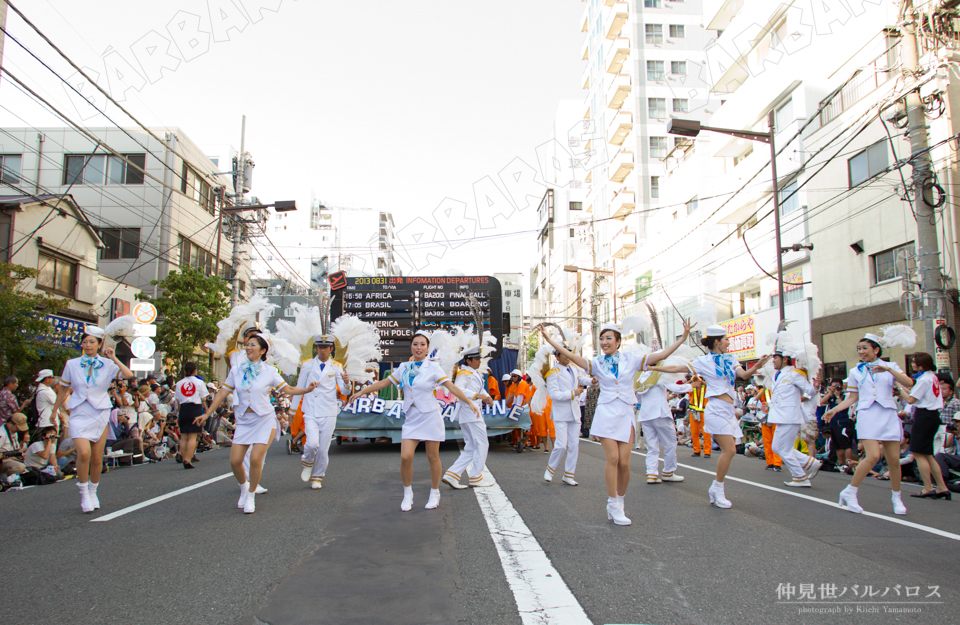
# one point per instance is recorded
(614, 416)
(877, 418)
(719, 417)
(320, 408)
(562, 383)
(786, 411)
(659, 427)
(89, 403)
(238, 357)
(475, 443)
(255, 417)
(422, 418)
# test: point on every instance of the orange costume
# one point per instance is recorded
(768, 431)
(493, 389)
(698, 403)
(542, 424)
(297, 425)
(523, 390)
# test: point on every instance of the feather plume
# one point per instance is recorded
(358, 340)
(575, 340)
(654, 319)
(778, 339)
(283, 354)
(302, 329)
(121, 326)
(684, 355)
(809, 360)
(706, 316)
(898, 336)
(769, 375)
(537, 371)
(238, 317)
(444, 348)
(636, 323)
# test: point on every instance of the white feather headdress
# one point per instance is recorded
(538, 371)
(357, 345)
(301, 332)
(706, 316)
(636, 323)
(119, 327)
(898, 336)
(254, 311)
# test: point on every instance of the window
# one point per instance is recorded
(102, 169)
(868, 163)
(794, 295)
(197, 189)
(739, 159)
(789, 199)
(693, 204)
(658, 147)
(654, 70)
(57, 275)
(654, 33)
(653, 4)
(678, 68)
(657, 108)
(573, 233)
(677, 31)
(120, 243)
(194, 256)
(784, 115)
(10, 168)
(885, 263)
(835, 371)
(681, 105)
(288, 313)
(576, 206)
(655, 187)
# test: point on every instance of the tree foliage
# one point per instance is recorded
(27, 338)
(190, 305)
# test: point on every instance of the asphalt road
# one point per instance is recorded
(346, 554)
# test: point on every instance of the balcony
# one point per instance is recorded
(624, 244)
(623, 204)
(615, 21)
(621, 166)
(619, 54)
(620, 127)
(618, 91)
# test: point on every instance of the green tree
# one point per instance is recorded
(190, 304)
(27, 338)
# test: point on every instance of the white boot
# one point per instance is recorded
(92, 492)
(548, 475)
(85, 504)
(453, 480)
(434, 499)
(898, 507)
(407, 504)
(813, 469)
(260, 490)
(316, 483)
(718, 497)
(244, 492)
(250, 505)
(615, 511)
(848, 499)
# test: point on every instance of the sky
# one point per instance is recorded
(389, 104)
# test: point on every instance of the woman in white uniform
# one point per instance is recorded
(475, 444)
(251, 384)
(870, 387)
(927, 401)
(613, 421)
(719, 370)
(422, 419)
(89, 378)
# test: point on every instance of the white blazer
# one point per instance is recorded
(473, 385)
(97, 395)
(421, 393)
(257, 397)
(562, 385)
(789, 388)
(873, 387)
(321, 401)
(618, 388)
(705, 367)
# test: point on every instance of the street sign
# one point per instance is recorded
(142, 364)
(145, 312)
(144, 329)
(143, 347)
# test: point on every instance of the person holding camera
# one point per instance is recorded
(841, 434)
(42, 452)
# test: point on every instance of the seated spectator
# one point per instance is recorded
(12, 445)
(683, 432)
(127, 440)
(42, 453)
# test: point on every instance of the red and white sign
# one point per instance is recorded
(145, 312)
(742, 337)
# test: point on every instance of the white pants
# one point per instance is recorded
(567, 441)
(661, 433)
(316, 446)
(475, 446)
(784, 439)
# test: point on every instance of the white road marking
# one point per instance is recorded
(825, 502)
(542, 596)
(150, 502)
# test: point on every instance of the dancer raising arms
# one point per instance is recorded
(423, 422)
(613, 422)
(89, 378)
(719, 370)
(251, 384)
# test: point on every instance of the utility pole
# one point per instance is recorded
(594, 294)
(931, 280)
(237, 225)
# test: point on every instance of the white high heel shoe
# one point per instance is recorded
(848, 500)
(717, 497)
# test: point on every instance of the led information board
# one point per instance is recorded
(398, 305)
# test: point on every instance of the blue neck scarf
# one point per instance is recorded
(250, 372)
(611, 364)
(92, 365)
(724, 368)
(865, 366)
(412, 370)
(916, 376)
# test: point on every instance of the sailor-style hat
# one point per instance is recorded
(716, 330)
(250, 328)
(471, 352)
(611, 326)
(323, 340)
(94, 331)
(872, 337)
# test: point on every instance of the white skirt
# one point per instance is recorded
(876, 423)
(88, 422)
(421, 426)
(614, 420)
(719, 417)
(252, 429)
